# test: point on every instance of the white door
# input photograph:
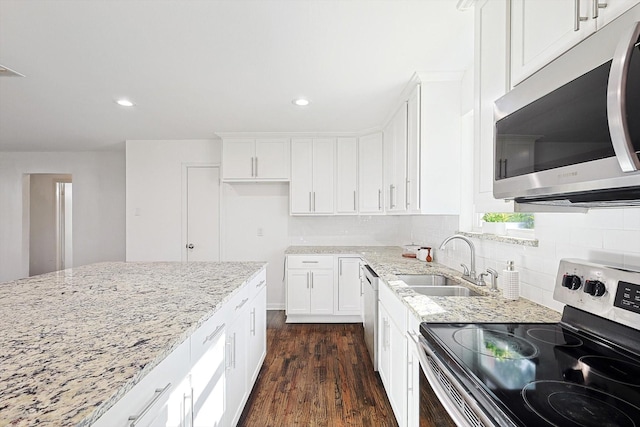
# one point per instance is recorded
(203, 213)
(323, 175)
(346, 175)
(370, 173)
(272, 159)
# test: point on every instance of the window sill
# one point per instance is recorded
(513, 240)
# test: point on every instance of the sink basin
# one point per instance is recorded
(426, 280)
(445, 291)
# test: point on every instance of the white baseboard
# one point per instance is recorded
(275, 306)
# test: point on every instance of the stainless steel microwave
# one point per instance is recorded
(569, 135)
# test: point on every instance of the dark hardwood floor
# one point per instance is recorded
(316, 375)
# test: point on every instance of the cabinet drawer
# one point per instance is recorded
(394, 306)
(310, 261)
(208, 333)
(257, 284)
(237, 303)
(148, 398)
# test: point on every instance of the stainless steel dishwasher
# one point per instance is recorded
(370, 313)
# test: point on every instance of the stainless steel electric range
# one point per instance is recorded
(583, 371)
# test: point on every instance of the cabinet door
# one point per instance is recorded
(349, 285)
(323, 175)
(301, 186)
(397, 371)
(541, 30)
(236, 369)
(272, 159)
(346, 175)
(384, 349)
(257, 334)
(238, 157)
(370, 173)
(413, 152)
(321, 292)
(298, 291)
(610, 10)
(208, 381)
(398, 183)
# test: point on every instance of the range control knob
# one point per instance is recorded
(571, 281)
(595, 288)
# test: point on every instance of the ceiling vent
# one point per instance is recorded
(8, 72)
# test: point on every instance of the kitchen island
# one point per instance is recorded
(490, 307)
(75, 341)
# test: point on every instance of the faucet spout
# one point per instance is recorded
(472, 273)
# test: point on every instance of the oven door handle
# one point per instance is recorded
(454, 410)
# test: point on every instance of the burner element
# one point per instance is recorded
(612, 369)
(555, 337)
(497, 344)
(566, 404)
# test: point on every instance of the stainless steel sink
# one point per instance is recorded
(445, 291)
(426, 280)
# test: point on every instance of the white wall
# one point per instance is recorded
(98, 206)
(609, 236)
(154, 191)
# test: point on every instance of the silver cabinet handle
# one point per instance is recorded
(616, 88)
(227, 355)
(314, 201)
(340, 267)
(256, 167)
(233, 352)
(262, 282)
(408, 196)
(578, 18)
(596, 8)
(312, 280)
(410, 363)
(308, 281)
(309, 262)
(157, 394)
(213, 334)
(379, 199)
(392, 189)
(244, 301)
(252, 329)
(252, 174)
(354, 200)
(310, 208)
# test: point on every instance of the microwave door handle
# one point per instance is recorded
(616, 88)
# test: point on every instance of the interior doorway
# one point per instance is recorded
(50, 223)
(202, 237)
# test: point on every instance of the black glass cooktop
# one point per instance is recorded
(542, 374)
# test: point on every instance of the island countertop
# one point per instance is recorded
(490, 307)
(75, 341)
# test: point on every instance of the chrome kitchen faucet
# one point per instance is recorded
(470, 274)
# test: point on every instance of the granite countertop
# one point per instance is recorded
(76, 340)
(491, 307)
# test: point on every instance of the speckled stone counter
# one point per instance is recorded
(74, 341)
(386, 261)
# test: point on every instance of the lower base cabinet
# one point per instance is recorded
(207, 379)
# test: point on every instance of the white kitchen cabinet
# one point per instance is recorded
(413, 373)
(257, 342)
(349, 286)
(261, 159)
(236, 367)
(541, 30)
(491, 73)
(392, 350)
(395, 161)
(413, 151)
(370, 169)
(309, 285)
(312, 176)
(347, 175)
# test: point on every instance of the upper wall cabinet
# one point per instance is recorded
(541, 30)
(370, 154)
(255, 159)
(347, 176)
(312, 176)
(412, 198)
(491, 23)
(395, 161)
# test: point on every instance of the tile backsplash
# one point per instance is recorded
(607, 236)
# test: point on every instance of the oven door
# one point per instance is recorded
(438, 384)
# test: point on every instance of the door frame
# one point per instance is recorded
(183, 221)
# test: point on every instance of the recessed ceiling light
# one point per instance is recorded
(301, 102)
(124, 102)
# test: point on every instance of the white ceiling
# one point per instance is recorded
(194, 68)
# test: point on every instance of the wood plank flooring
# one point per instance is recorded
(316, 375)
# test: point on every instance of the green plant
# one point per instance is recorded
(526, 218)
